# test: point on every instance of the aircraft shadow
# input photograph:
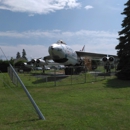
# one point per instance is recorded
(49, 78)
(116, 83)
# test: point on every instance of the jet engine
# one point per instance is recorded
(40, 62)
(108, 59)
(28, 65)
(111, 59)
(104, 59)
(108, 63)
(33, 61)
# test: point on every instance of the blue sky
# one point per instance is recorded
(35, 24)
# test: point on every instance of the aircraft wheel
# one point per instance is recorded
(71, 71)
(78, 70)
(66, 71)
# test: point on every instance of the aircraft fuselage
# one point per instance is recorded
(62, 53)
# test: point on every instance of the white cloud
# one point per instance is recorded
(57, 33)
(38, 6)
(88, 7)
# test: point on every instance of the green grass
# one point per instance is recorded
(94, 105)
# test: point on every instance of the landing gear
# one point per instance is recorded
(78, 70)
(43, 69)
(74, 70)
(108, 67)
(69, 71)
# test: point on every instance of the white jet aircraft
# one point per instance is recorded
(61, 53)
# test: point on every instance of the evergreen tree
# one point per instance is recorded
(18, 55)
(11, 60)
(24, 54)
(124, 45)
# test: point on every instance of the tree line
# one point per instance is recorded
(4, 64)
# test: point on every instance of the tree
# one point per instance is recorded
(24, 54)
(11, 60)
(124, 45)
(18, 55)
(4, 65)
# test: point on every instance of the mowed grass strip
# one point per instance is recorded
(104, 104)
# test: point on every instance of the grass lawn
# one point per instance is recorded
(100, 105)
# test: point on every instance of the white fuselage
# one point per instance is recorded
(61, 53)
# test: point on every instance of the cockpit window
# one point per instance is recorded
(61, 42)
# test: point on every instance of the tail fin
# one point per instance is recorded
(83, 49)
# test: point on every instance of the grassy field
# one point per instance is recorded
(95, 105)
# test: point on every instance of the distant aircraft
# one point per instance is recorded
(61, 53)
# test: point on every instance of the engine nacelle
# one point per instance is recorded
(40, 62)
(111, 59)
(105, 59)
(28, 65)
(108, 63)
(108, 59)
(33, 61)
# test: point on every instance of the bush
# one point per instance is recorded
(4, 65)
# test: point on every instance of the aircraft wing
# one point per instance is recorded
(93, 55)
(86, 54)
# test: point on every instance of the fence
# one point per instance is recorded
(16, 79)
(57, 77)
